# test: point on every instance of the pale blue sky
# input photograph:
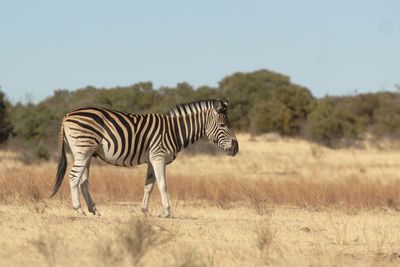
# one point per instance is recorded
(331, 47)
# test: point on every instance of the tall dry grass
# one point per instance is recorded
(108, 184)
(266, 172)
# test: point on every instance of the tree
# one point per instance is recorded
(265, 101)
(6, 126)
(334, 120)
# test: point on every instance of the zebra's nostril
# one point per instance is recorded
(235, 146)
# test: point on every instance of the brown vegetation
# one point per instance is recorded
(280, 202)
(222, 192)
(324, 178)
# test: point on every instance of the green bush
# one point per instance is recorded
(265, 101)
(6, 126)
(259, 102)
(386, 117)
(333, 120)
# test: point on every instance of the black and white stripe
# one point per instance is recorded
(125, 139)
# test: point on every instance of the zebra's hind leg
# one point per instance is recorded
(84, 185)
(79, 167)
(159, 172)
(148, 187)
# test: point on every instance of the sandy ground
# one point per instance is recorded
(199, 235)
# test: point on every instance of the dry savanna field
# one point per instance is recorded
(279, 202)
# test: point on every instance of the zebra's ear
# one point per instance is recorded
(226, 102)
(220, 106)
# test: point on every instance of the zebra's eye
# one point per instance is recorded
(221, 124)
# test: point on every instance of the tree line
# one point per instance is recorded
(259, 102)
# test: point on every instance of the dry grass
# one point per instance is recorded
(283, 172)
(133, 241)
(264, 240)
(113, 184)
(201, 237)
(279, 202)
(46, 246)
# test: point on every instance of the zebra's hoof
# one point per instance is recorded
(144, 210)
(165, 214)
(95, 212)
(80, 212)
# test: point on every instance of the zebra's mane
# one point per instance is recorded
(193, 107)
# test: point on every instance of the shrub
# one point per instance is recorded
(332, 121)
(5, 124)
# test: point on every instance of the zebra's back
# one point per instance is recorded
(118, 138)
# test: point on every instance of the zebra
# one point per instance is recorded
(125, 139)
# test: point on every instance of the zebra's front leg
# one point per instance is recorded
(84, 185)
(148, 188)
(159, 171)
(76, 174)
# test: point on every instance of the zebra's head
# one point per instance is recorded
(219, 129)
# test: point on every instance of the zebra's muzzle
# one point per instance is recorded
(234, 149)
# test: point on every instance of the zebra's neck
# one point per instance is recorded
(189, 122)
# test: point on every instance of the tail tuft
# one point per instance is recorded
(62, 166)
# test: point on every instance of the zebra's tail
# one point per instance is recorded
(62, 163)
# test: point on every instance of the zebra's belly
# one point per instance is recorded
(118, 158)
(170, 158)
